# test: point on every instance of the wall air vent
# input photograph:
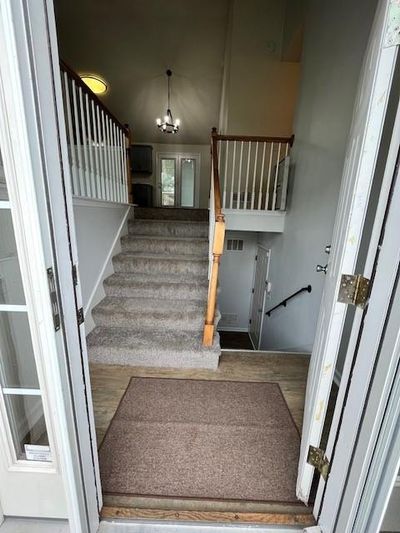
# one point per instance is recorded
(235, 245)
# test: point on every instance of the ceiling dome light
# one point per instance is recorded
(95, 84)
(168, 125)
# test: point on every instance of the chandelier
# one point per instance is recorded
(168, 125)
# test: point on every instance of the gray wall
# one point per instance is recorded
(236, 282)
(336, 34)
(97, 226)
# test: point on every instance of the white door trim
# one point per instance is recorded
(268, 251)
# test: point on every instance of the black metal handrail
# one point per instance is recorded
(285, 301)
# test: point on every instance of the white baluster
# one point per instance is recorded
(232, 184)
(125, 171)
(90, 147)
(253, 192)
(247, 176)
(276, 177)
(117, 161)
(261, 178)
(81, 191)
(240, 176)
(84, 144)
(225, 174)
(97, 190)
(271, 149)
(106, 172)
(74, 168)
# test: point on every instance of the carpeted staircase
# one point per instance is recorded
(153, 312)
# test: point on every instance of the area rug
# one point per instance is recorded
(201, 439)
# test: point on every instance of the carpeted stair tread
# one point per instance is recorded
(151, 263)
(150, 314)
(151, 286)
(124, 346)
(165, 245)
(178, 228)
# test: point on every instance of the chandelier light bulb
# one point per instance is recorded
(158, 122)
(178, 122)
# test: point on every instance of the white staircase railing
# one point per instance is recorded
(253, 171)
(97, 143)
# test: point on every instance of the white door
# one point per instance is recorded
(363, 145)
(178, 180)
(258, 300)
(47, 468)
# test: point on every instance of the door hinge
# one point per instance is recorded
(256, 258)
(317, 458)
(250, 321)
(353, 290)
(55, 309)
(80, 316)
(252, 291)
(75, 275)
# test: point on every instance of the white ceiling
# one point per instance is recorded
(131, 43)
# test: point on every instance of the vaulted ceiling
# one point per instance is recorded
(131, 43)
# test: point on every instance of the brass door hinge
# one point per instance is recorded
(55, 309)
(80, 316)
(353, 290)
(317, 458)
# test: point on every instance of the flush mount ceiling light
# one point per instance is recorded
(168, 125)
(95, 84)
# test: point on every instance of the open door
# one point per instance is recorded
(360, 162)
(48, 455)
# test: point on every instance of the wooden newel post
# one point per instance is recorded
(218, 246)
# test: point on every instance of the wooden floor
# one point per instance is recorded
(290, 371)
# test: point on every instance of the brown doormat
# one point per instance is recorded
(201, 439)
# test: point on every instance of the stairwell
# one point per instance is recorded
(153, 312)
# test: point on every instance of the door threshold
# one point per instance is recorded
(202, 510)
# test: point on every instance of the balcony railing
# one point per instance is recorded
(97, 143)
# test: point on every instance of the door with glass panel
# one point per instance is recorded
(30, 479)
(178, 180)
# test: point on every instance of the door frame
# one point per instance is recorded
(268, 250)
(33, 100)
(178, 156)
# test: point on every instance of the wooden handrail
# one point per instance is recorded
(252, 138)
(72, 74)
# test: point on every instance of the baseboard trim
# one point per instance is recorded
(100, 277)
(265, 352)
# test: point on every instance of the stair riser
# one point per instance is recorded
(159, 266)
(168, 229)
(166, 292)
(166, 359)
(164, 247)
(148, 323)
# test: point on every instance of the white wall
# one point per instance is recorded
(99, 226)
(334, 44)
(204, 174)
(259, 90)
(236, 282)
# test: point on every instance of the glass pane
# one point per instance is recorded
(187, 182)
(17, 364)
(3, 186)
(11, 291)
(167, 182)
(28, 426)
